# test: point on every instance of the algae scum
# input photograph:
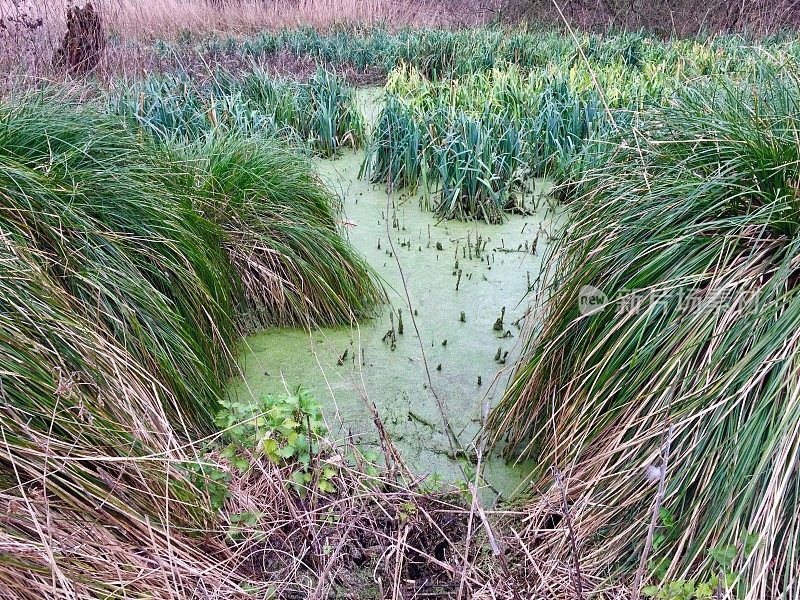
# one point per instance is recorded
(468, 284)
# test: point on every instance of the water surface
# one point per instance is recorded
(458, 277)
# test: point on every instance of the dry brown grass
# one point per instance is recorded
(164, 19)
(376, 537)
(30, 30)
(676, 17)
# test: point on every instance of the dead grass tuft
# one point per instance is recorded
(375, 537)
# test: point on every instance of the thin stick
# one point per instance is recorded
(577, 580)
(662, 485)
(452, 439)
(595, 82)
(475, 501)
(495, 546)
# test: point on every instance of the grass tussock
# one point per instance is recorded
(106, 352)
(111, 223)
(123, 271)
(690, 231)
(281, 234)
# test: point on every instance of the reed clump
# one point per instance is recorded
(320, 115)
(127, 268)
(688, 235)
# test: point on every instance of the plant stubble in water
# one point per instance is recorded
(492, 266)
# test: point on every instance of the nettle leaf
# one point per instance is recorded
(703, 591)
(750, 542)
(724, 556)
(675, 587)
(667, 518)
(659, 569)
(270, 446)
(651, 591)
(226, 422)
(252, 518)
(286, 451)
(300, 478)
(326, 487)
(276, 413)
(218, 475)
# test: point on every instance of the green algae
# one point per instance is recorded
(460, 277)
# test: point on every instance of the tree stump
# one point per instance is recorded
(84, 42)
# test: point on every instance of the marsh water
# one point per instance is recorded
(458, 276)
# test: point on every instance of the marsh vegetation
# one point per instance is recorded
(516, 320)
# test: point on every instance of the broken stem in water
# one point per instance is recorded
(452, 440)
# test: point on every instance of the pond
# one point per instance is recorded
(468, 286)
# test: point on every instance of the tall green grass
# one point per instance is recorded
(321, 115)
(73, 392)
(691, 231)
(281, 234)
(111, 220)
(114, 312)
(125, 268)
(452, 54)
